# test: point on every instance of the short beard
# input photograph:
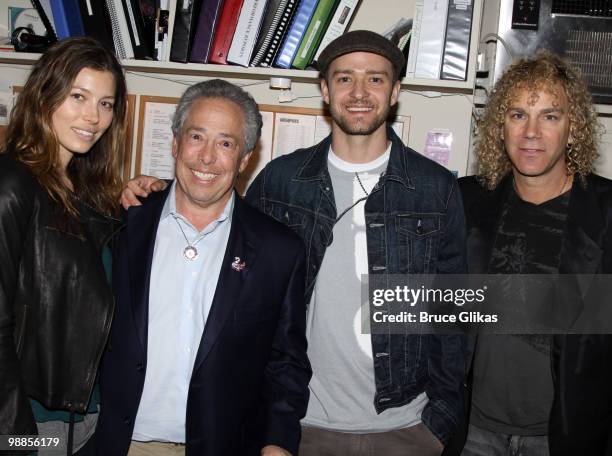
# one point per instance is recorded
(359, 130)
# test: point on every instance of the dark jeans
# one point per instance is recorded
(412, 441)
(481, 442)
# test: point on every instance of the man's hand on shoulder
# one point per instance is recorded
(140, 186)
(273, 450)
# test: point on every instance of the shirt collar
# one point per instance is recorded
(169, 210)
(315, 165)
(350, 167)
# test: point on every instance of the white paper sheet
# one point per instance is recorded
(156, 156)
(292, 132)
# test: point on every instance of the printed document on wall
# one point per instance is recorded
(157, 157)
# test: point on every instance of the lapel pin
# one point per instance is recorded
(238, 265)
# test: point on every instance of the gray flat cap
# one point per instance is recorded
(361, 41)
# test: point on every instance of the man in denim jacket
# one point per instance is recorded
(364, 203)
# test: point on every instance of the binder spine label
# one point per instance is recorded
(248, 30)
(311, 38)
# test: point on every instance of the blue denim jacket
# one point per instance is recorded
(414, 224)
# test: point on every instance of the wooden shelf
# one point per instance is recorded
(20, 58)
(233, 71)
(604, 109)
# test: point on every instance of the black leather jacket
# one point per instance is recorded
(55, 303)
(581, 416)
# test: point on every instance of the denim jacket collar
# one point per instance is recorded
(315, 166)
(397, 169)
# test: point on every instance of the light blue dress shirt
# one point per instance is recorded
(180, 297)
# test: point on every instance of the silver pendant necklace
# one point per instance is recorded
(190, 252)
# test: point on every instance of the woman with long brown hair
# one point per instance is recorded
(59, 186)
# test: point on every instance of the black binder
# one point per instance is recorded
(97, 22)
(187, 13)
(143, 49)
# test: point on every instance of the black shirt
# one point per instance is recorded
(513, 389)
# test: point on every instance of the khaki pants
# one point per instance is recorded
(156, 449)
(415, 440)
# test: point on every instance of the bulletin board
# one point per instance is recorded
(285, 129)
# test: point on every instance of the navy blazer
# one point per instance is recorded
(249, 385)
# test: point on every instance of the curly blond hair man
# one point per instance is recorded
(550, 74)
(536, 207)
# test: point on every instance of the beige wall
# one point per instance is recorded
(445, 110)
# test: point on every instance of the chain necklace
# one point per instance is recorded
(567, 177)
(361, 184)
(564, 184)
(190, 252)
(359, 200)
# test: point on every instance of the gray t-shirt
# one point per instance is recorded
(342, 386)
